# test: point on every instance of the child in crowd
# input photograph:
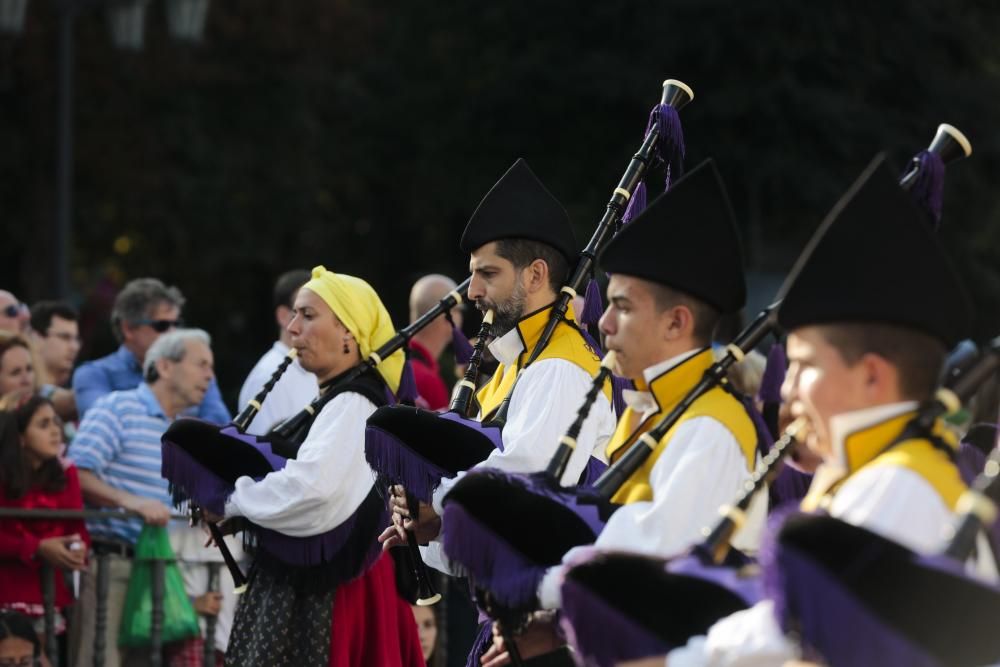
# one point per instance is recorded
(32, 476)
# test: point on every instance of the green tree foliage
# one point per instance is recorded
(362, 136)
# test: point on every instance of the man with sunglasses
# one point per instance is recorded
(143, 310)
(13, 313)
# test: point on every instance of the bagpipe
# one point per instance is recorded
(506, 547)
(507, 555)
(648, 606)
(202, 462)
(856, 598)
(923, 179)
(416, 448)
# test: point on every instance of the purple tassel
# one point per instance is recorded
(774, 375)
(636, 203)
(407, 392)
(460, 345)
(670, 147)
(593, 305)
(928, 187)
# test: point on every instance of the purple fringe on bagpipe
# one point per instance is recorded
(189, 479)
(401, 465)
(601, 634)
(928, 187)
(489, 561)
(830, 620)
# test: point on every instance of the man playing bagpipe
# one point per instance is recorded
(521, 247)
(675, 270)
(871, 307)
(340, 606)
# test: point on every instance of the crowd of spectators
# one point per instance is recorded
(87, 435)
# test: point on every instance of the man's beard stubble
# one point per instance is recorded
(508, 313)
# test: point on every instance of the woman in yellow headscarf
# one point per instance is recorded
(317, 615)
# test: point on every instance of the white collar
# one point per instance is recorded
(642, 401)
(846, 423)
(507, 347)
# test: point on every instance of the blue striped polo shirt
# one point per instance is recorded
(119, 441)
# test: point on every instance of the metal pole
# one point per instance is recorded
(101, 622)
(156, 627)
(211, 621)
(64, 149)
(49, 602)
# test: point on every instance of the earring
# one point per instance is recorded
(347, 349)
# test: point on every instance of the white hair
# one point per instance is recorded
(172, 346)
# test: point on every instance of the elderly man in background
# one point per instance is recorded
(13, 313)
(117, 451)
(297, 386)
(143, 311)
(428, 344)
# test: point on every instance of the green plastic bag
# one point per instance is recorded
(179, 618)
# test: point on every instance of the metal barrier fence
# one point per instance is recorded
(103, 585)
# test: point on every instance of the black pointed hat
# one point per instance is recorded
(875, 260)
(686, 239)
(519, 206)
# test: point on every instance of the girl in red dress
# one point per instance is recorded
(32, 476)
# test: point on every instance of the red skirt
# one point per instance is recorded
(372, 625)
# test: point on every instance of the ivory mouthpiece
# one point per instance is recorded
(609, 360)
(958, 136)
(488, 317)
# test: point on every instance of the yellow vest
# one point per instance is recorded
(865, 448)
(566, 343)
(668, 389)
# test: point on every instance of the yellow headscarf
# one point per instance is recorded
(357, 305)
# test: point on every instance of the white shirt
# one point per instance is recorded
(324, 485)
(292, 392)
(544, 404)
(193, 558)
(702, 469)
(892, 501)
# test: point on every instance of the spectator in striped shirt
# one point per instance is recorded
(117, 450)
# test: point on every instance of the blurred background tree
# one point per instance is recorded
(362, 136)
